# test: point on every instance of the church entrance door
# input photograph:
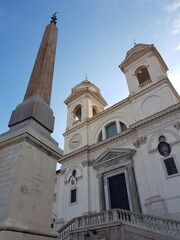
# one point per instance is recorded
(118, 192)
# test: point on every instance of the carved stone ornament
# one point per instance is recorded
(140, 141)
(24, 189)
(63, 171)
(86, 163)
(113, 158)
(177, 125)
(111, 155)
(99, 175)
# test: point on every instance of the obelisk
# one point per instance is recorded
(28, 154)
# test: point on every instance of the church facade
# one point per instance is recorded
(125, 156)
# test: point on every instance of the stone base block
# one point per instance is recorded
(13, 235)
(34, 108)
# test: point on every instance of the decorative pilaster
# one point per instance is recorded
(101, 191)
(133, 188)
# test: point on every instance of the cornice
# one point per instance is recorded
(75, 95)
(151, 87)
(156, 116)
(127, 100)
(75, 153)
(34, 141)
(129, 59)
(75, 128)
(87, 148)
(128, 133)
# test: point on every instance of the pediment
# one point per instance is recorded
(134, 52)
(113, 153)
(73, 95)
(79, 92)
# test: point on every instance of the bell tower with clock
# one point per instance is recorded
(84, 102)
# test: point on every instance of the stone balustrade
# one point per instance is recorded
(144, 84)
(148, 222)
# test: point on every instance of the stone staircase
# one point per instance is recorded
(117, 224)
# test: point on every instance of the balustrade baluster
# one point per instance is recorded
(145, 221)
(120, 215)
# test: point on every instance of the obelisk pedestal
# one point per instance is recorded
(27, 175)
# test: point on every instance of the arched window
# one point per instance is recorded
(100, 137)
(111, 129)
(142, 75)
(77, 113)
(123, 126)
(94, 111)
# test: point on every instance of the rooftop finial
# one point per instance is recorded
(134, 43)
(86, 77)
(54, 18)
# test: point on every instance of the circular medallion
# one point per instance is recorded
(164, 148)
(73, 181)
(151, 104)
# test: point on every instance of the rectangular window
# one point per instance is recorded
(73, 195)
(170, 166)
(54, 197)
(111, 129)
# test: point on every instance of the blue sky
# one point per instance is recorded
(94, 37)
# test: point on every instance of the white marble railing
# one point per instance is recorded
(144, 84)
(156, 224)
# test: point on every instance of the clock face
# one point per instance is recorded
(75, 141)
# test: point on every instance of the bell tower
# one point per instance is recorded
(84, 102)
(146, 75)
(143, 66)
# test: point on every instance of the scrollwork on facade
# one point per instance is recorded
(99, 175)
(140, 141)
(177, 125)
(63, 171)
(131, 164)
(87, 163)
